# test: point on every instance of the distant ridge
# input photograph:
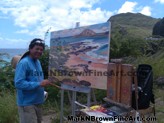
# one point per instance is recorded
(132, 24)
(135, 19)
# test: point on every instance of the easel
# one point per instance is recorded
(74, 90)
(119, 96)
(119, 85)
(103, 31)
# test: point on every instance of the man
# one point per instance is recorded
(30, 84)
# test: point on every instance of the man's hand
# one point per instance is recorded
(45, 82)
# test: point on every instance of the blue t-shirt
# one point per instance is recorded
(28, 75)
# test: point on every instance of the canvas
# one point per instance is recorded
(81, 54)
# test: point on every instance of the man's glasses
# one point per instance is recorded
(38, 42)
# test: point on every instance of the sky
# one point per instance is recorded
(23, 20)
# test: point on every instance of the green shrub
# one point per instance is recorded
(6, 78)
(8, 108)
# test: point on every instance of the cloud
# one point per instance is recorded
(27, 16)
(29, 13)
(79, 4)
(24, 31)
(37, 16)
(161, 1)
(132, 7)
(35, 20)
(146, 11)
(127, 7)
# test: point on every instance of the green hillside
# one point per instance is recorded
(129, 33)
(128, 41)
(132, 24)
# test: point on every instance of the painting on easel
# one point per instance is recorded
(81, 54)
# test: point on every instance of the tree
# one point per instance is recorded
(124, 46)
(158, 28)
(45, 61)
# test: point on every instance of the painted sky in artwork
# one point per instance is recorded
(97, 28)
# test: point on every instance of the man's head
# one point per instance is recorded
(36, 48)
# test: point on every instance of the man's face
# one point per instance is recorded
(36, 51)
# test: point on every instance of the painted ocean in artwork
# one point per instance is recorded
(84, 50)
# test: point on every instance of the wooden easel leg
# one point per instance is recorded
(89, 99)
(93, 96)
(69, 97)
(61, 106)
(136, 91)
(73, 104)
(118, 73)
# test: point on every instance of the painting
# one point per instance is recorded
(80, 55)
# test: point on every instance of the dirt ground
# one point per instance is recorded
(48, 118)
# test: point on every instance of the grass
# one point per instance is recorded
(157, 63)
(50, 108)
(159, 103)
(8, 108)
